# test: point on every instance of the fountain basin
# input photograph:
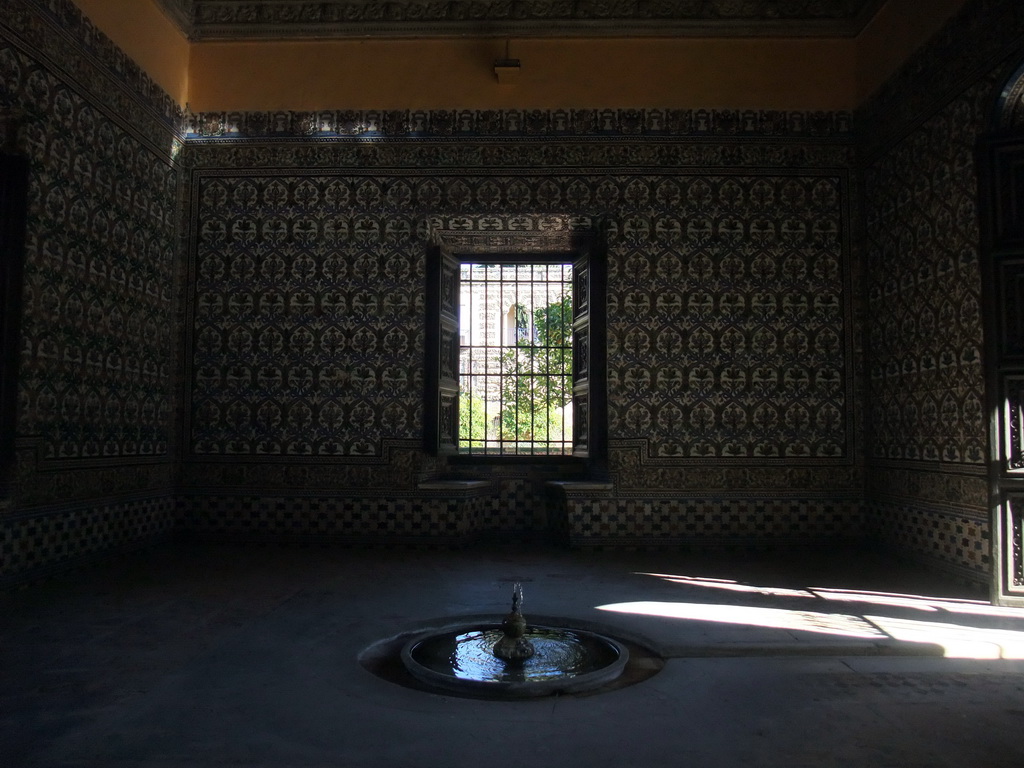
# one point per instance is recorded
(460, 659)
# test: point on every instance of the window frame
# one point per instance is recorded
(589, 377)
(511, 336)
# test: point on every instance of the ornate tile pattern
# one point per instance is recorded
(457, 519)
(92, 470)
(730, 265)
(728, 307)
(636, 471)
(704, 222)
(927, 490)
(401, 465)
(304, 326)
(98, 280)
(727, 318)
(100, 251)
(940, 517)
(924, 292)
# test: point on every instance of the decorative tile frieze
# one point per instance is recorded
(399, 465)
(39, 481)
(446, 158)
(276, 19)
(637, 471)
(577, 123)
(181, 12)
(968, 50)
(57, 35)
(963, 489)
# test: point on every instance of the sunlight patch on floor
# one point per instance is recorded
(773, 618)
(919, 602)
(834, 594)
(729, 585)
(957, 642)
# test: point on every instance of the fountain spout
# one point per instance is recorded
(511, 660)
(513, 648)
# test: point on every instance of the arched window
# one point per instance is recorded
(516, 325)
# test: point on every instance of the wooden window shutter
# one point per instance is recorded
(442, 350)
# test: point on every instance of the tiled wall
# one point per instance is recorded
(695, 523)
(37, 543)
(96, 370)
(451, 518)
(731, 307)
(926, 375)
(927, 487)
(736, 382)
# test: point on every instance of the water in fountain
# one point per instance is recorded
(514, 660)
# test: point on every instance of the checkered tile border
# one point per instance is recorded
(940, 538)
(40, 543)
(698, 522)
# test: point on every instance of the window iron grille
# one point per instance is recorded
(515, 359)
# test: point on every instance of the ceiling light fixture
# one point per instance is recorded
(507, 69)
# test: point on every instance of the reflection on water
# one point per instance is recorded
(559, 653)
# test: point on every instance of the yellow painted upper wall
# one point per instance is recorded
(149, 38)
(755, 73)
(897, 30)
(573, 73)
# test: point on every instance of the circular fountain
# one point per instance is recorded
(512, 659)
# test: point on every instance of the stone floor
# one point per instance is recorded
(214, 655)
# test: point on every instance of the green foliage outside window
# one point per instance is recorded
(473, 419)
(540, 382)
